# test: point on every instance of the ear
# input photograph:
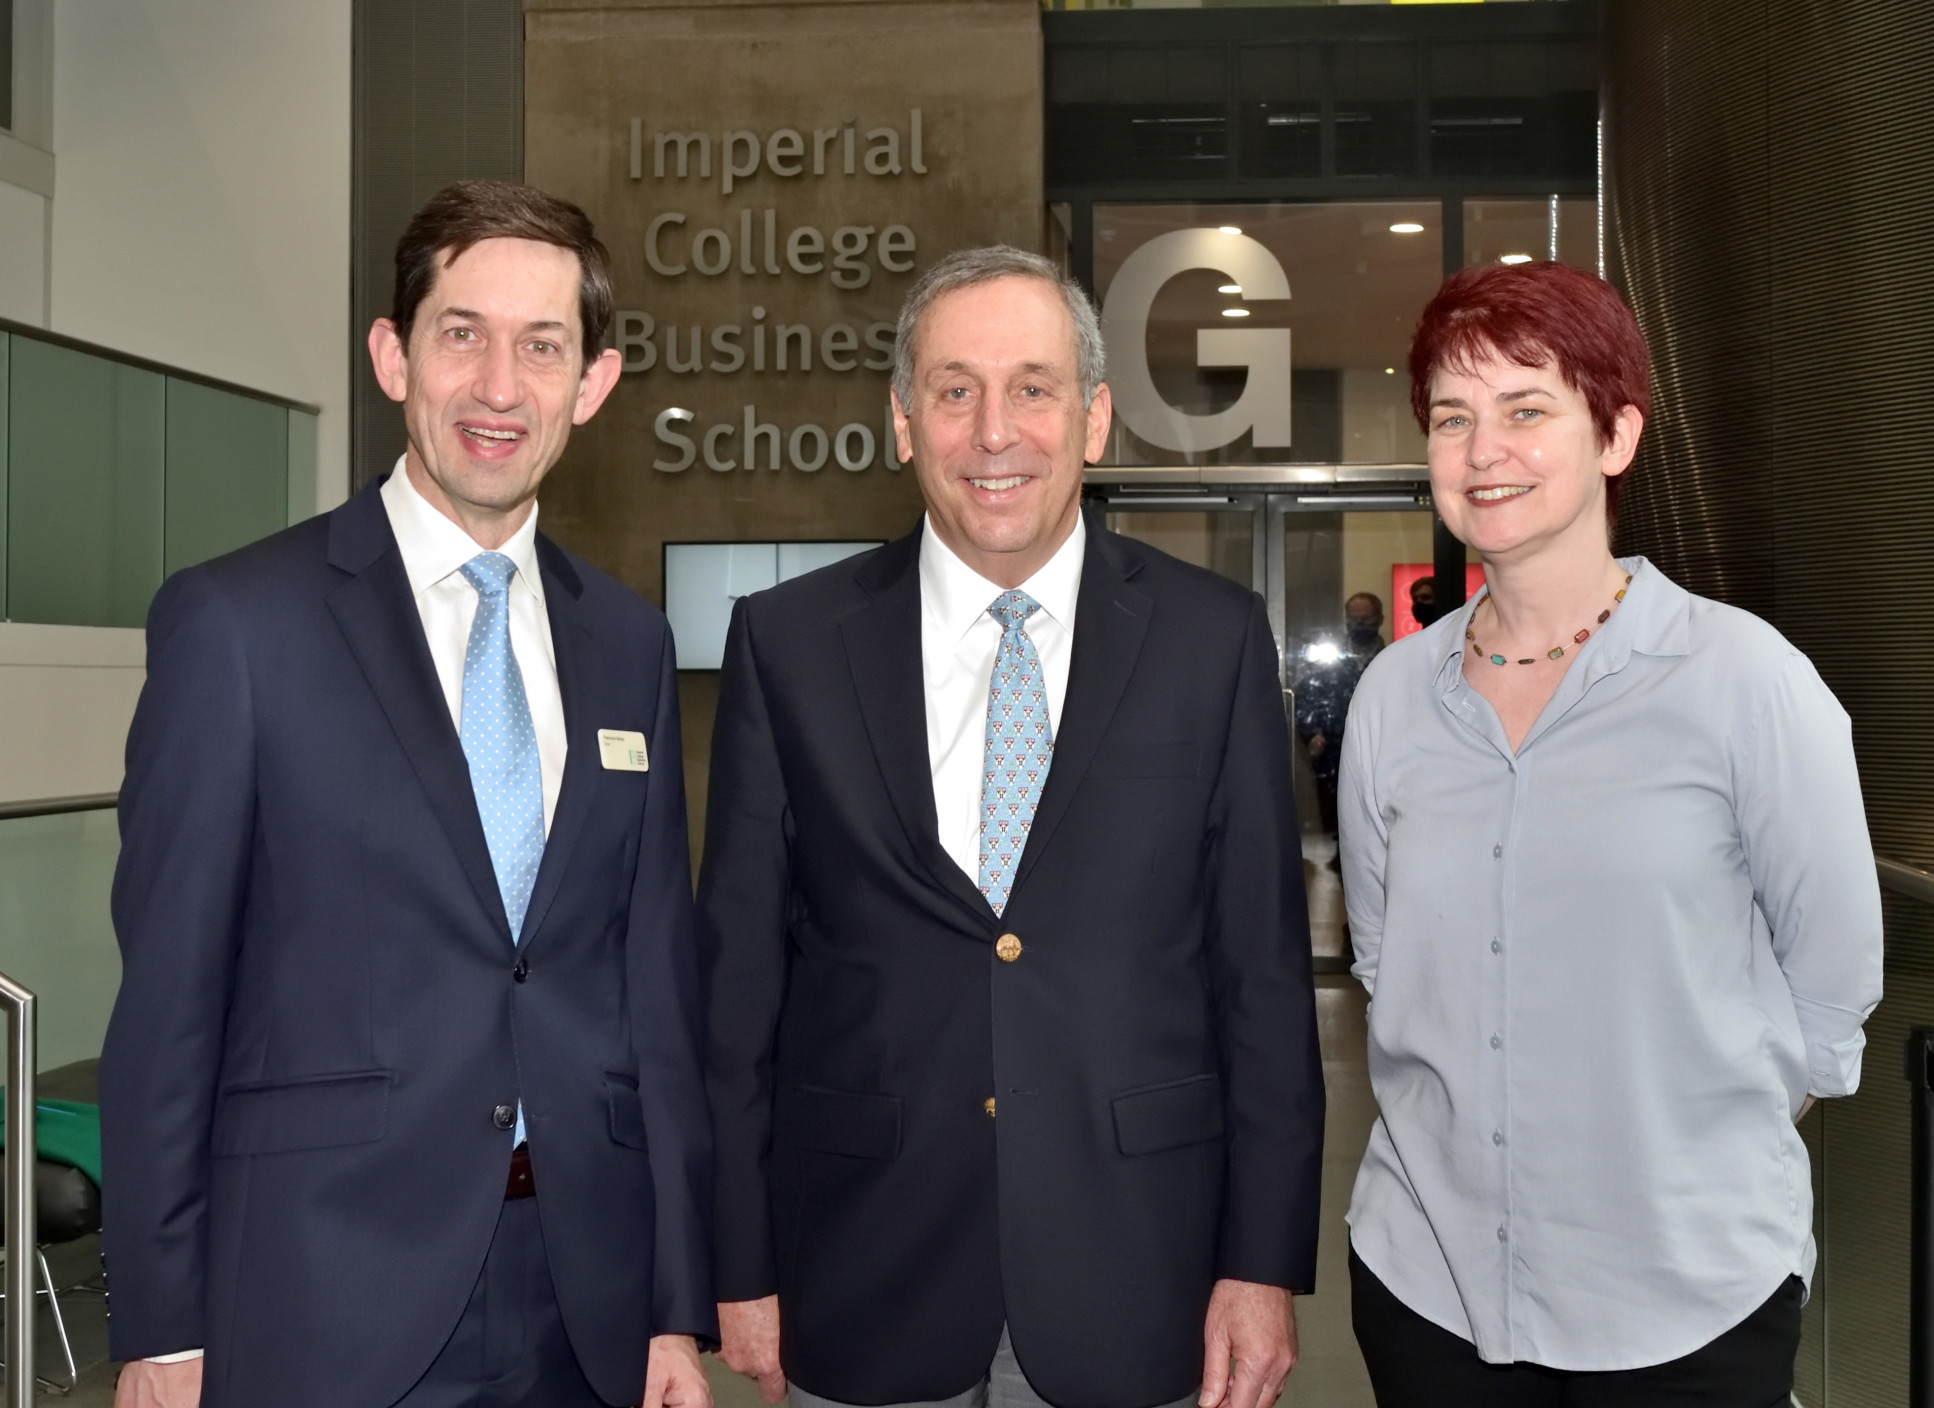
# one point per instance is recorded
(902, 430)
(596, 383)
(1101, 413)
(1616, 457)
(388, 356)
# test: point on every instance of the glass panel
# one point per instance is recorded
(302, 466)
(56, 936)
(1281, 92)
(1356, 288)
(228, 472)
(1376, 110)
(85, 455)
(1222, 542)
(1156, 114)
(1522, 109)
(1517, 229)
(6, 343)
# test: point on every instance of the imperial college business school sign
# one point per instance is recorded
(769, 178)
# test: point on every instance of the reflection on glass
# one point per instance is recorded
(1356, 288)
(1504, 230)
(1220, 542)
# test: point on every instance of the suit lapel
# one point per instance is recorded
(883, 651)
(1110, 620)
(378, 618)
(580, 683)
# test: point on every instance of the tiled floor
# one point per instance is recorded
(1330, 1374)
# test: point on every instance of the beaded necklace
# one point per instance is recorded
(1557, 652)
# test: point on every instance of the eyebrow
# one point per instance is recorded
(1459, 403)
(542, 325)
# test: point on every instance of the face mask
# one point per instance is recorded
(1363, 632)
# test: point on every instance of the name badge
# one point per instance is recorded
(622, 751)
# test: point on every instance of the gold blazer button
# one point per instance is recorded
(988, 1105)
(1007, 947)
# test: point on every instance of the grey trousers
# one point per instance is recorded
(1004, 1387)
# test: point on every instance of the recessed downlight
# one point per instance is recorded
(1406, 227)
(1389, 371)
(1230, 229)
(1230, 288)
(1514, 259)
(1235, 312)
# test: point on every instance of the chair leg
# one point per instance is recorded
(60, 1323)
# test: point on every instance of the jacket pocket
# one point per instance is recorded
(318, 1112)
(1169, 1115)
(626, 1110)
(1145, 760)
(838, 1122)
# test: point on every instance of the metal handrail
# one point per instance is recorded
(23, 1227)
(1904, 879)
(56, 806)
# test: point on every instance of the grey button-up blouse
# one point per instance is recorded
(1604, 974)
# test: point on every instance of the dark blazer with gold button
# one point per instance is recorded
(1139, 1023)
(323, 1024)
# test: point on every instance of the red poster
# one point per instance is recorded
(1402, 574)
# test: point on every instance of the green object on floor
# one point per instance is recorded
(65, 1132)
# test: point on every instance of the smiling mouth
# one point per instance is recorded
(490, 437)
(1501, 491)
(994, 486)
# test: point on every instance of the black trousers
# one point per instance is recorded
(1416, 1364)
(509, 1349)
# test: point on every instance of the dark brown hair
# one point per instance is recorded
(1536, 315)
(468, 212)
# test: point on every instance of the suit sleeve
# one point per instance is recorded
(1259, 957)
(667, 1028)
(745, 885)
(187, 818)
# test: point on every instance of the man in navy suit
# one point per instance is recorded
(1011, 1035)
(402, 1096)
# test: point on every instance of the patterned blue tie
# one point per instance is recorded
(1020, 745)
(499, 741)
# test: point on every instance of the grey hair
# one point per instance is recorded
(966, 267)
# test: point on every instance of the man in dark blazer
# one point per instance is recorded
(402, 1097)
(1011, 1046)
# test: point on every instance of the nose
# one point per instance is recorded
(499, 383)
(1485, 447)
(993, 428)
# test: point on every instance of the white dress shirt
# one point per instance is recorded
(434, 552)
(1605, 971)
(958, 644)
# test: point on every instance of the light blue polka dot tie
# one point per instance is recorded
(499, 741)
(1020, 745)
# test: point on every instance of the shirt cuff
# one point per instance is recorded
(1834, 1042)
(179, 1357)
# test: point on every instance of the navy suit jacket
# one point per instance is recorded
(1150, 1054)
(321, 1008)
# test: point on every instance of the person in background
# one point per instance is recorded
(1610, 887)
(402, 1101)
(1324, 685)
(1001, 824)
(1423, 600)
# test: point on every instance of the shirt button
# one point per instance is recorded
(1500, 1234)
(1496, 1041)
(1496, 852)
(1497, 1136)
(1496, 947)
(504, 1116)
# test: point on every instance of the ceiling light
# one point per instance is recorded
(1322, 652)
(1406, 227)
(1235, 312)
(1389, 371)
(1514, 259)
(1230, 288)
(1230, 229)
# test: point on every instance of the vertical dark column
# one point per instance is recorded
(1447, 553)
(1920, 1299)
(437, 97)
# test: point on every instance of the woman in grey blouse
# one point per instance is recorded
(1611, 892)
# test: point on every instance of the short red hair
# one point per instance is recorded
(1534, 315)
